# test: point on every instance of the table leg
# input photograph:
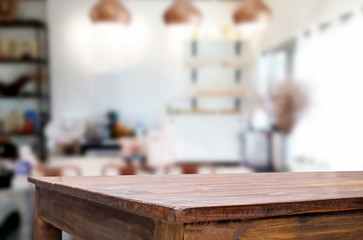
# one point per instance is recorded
(45, 231)
(41, 229)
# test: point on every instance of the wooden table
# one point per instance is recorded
(203, 207)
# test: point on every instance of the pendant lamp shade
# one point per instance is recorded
(110, 11)
(252, 11)
(182, 12)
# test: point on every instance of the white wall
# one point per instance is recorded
(329, 131)
(292, 16)
(135, 71)
(331, 128)
(32, 10)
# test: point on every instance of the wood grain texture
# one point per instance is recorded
(201, 198)
(328, 226)
(168, 231)
(91, 221)
(42, 230)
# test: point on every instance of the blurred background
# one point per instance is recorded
(126, 87)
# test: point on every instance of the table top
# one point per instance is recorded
(200, 198)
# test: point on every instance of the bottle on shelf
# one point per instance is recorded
(18, 49)
(33, 49)
(30, 122)
(4, 49)
(13, 121)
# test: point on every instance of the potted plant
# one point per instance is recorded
(289, 102)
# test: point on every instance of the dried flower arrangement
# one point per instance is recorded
(290, 101)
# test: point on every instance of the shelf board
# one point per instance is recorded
(207, 114)
(23, 61)
(22, 24)
(220, 65)
(23, 96)
(19, 134)
(199, 96)
(218, 40)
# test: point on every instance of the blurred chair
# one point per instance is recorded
(56, 171)
(182, 169)
(190, 168)
(129, 169)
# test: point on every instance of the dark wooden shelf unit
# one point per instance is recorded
(23, 61)
(23, 24)
(23, 96)
(41, 96)
(19, 134)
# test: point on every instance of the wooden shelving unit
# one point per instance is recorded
(23, 24)
(20, 134)
(23, 96)
(41, 95)
(218, 74)
(23, 61)
(234, 62)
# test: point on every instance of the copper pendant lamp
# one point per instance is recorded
(252, 11)
(182, 12)
(110, 11)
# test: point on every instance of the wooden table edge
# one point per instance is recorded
(163, 213)
(206, 214)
